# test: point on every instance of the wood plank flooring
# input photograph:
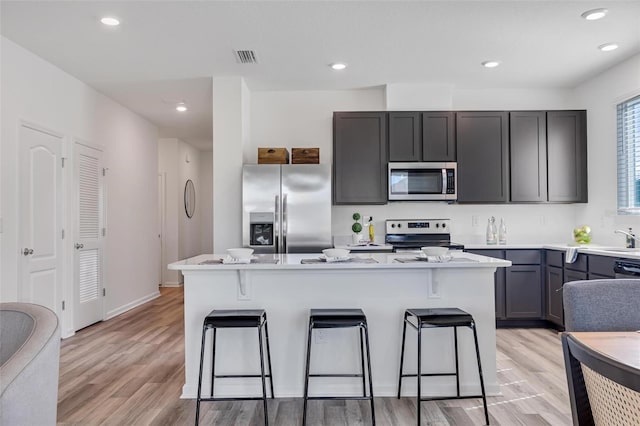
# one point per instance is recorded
(129, 371)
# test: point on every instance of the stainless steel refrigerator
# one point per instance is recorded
(286, 208)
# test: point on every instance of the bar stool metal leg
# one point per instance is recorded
(404, 336)
(455, 349)
(373, 411)
(204, 335)
(419, 376)
(213, 360)
(306, 376)
(364, 385)
(266, 333)
(264, 384)
(484, 395)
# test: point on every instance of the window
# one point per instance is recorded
(629, 156)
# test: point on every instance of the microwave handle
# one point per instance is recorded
(444, 181)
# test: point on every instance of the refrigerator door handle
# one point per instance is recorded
(285, 222)
(276, 225)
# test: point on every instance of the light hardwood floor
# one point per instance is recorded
(129, 371)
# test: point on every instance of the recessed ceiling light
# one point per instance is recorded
(593, 14)
(110, 21)
(490, 64)
(608, 47)
(181, 107)
(338, 66)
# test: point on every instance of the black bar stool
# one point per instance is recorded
(232, 318)
(340, 318)
(440, 317)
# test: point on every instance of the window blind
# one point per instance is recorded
(629, 156)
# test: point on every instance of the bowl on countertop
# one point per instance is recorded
(434, 251)
(240, 253)
(335, 253)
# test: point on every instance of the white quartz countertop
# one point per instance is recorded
(459, 259)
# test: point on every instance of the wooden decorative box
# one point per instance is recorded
(305, 155)
(273, 156)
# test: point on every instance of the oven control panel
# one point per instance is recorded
(417, 226)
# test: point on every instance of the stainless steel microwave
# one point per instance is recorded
(423, 181)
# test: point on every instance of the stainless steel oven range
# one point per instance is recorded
(408, 235)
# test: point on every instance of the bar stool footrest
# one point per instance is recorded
(429, 375)
(334, 375)
(440, 398)
(340, 398)
(248, 398)
(230, 376)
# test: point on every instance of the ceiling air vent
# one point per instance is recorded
(246, 56)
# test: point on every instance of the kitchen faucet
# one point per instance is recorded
(631, 238)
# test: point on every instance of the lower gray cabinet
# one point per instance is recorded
(499, 278)
(554, 281)
(518, 289)
(523, 295)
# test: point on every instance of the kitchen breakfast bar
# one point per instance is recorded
(382, 285)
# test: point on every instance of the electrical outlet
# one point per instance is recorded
(474, 221)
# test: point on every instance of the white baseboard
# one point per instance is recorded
(122, 309)
(172, 284)
(67, 333)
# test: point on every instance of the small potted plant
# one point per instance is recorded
(357, 229)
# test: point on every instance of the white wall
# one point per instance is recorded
(168, 154)
(600, 96)
(303, 119)
(34, 90)
(204, 205)
(178, 162)
(230, 129)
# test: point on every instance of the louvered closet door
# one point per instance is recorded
(90, 238)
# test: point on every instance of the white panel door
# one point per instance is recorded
(90, 236)
(41, 210)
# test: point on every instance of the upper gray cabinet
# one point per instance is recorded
(567, 156)
(483, 156)
(405, 139)
(528, 156)
(438, 136)
(360, 158)
(426, 136)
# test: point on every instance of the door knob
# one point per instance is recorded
(27, 251)
(79, 246)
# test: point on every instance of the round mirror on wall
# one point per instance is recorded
(189, 198)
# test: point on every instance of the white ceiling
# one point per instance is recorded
(167, 51)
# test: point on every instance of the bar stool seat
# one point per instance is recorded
(235, 318)
(443, 317)
(419, 318)
(340, 318)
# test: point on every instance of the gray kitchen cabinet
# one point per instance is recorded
(483, 156)
(554, 307)
(523, 289)
(359, 158)
(499, 281)
(405, 139)
(422, 136)
(567, 156)
(438, 136)
(528, 156)
(601, 267)
(518, 289)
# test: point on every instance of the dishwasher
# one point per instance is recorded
(627, 268)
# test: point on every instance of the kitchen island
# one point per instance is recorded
(383, 287)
